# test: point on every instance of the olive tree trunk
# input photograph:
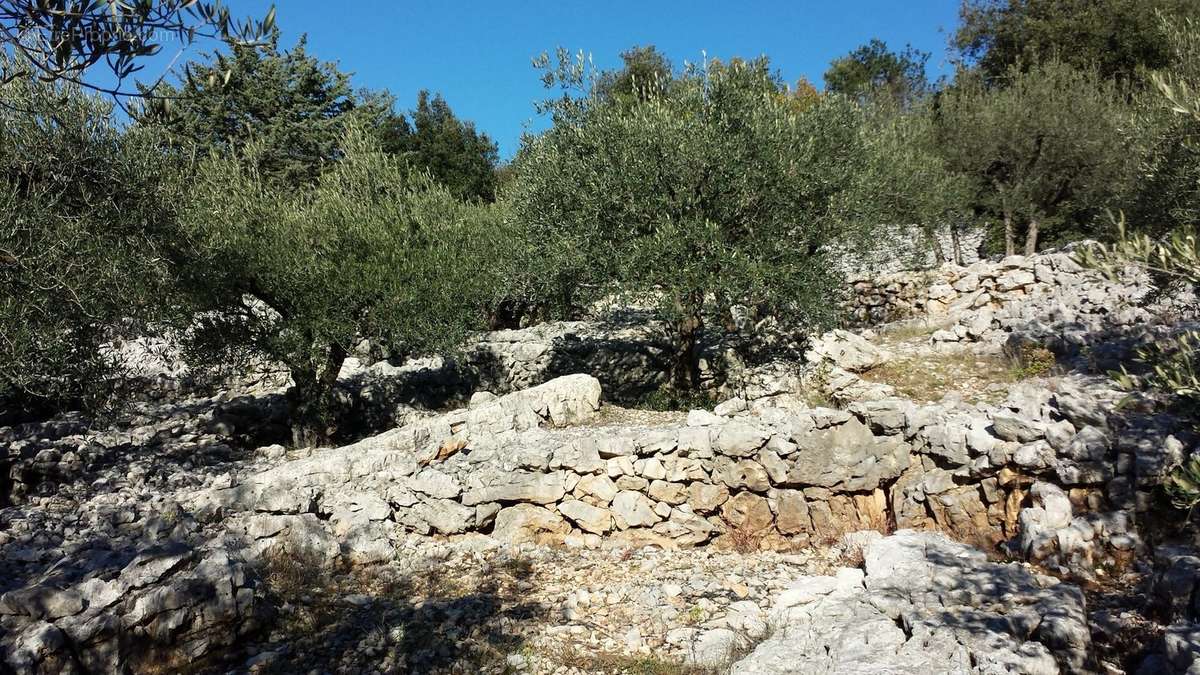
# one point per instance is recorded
(1031, 237)
(689, 327)
(1010, 234)
(311, 401)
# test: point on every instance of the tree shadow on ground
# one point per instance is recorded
(982, 598)
(419, 622)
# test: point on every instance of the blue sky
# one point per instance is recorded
(478, 54)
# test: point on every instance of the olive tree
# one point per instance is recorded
(711, 192)
(1170, 366)
(906, 184)
(1047, 148)
(62, 40)
(85, 209)
(375, 251)
(1166, 195)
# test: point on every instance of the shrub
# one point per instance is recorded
(1167, 366)
(1183, 484)
(1031, 360)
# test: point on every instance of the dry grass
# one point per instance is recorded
(291, 573)
(931, 377)
(612, 415)
(455, 613)
(744, 539)
(621, 664)
(852, 557)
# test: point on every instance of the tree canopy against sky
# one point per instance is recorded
(295, 105)
(63, 40)
(714, 190)
(1118, 37)
(432, 137)
(873, 69)
(646, 72)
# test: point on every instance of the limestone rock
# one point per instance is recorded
(847, 457)
(747, 511)
(706, 498)
(847, 351)
(739, 439)
(525, 522)
(518, 487)
(924, 605)
(633, 509)
(589, 518)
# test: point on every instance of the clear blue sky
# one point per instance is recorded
(478, 54)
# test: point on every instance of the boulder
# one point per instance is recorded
(847, 457)
(747, 511)
(747, 474)
(847, 351)
(633, 509)
(601, 488)
(739, 439)
(537, 488)
(705, 497)
(924, 604)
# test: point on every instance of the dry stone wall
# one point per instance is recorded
(519, 468)
(629, 359)
(898, 248)
(1050, 286)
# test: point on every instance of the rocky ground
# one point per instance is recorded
(547, 531)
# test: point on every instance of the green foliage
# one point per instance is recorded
(1167, 366)
(1167, 193)
(1175, 257)
(670, 398)
(1032, 360)
(83, 209)
(711, 193)
(374, 251)
(1183, 484)
(459, 157)
(904, 181)
(646, 74)
(874, 70)
(1046, 150)
(293, 106)
(1120, 38)
(62, 40)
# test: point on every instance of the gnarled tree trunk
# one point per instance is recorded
(956, 242)
(1031, 237)
(689, 327)
(312, 402)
